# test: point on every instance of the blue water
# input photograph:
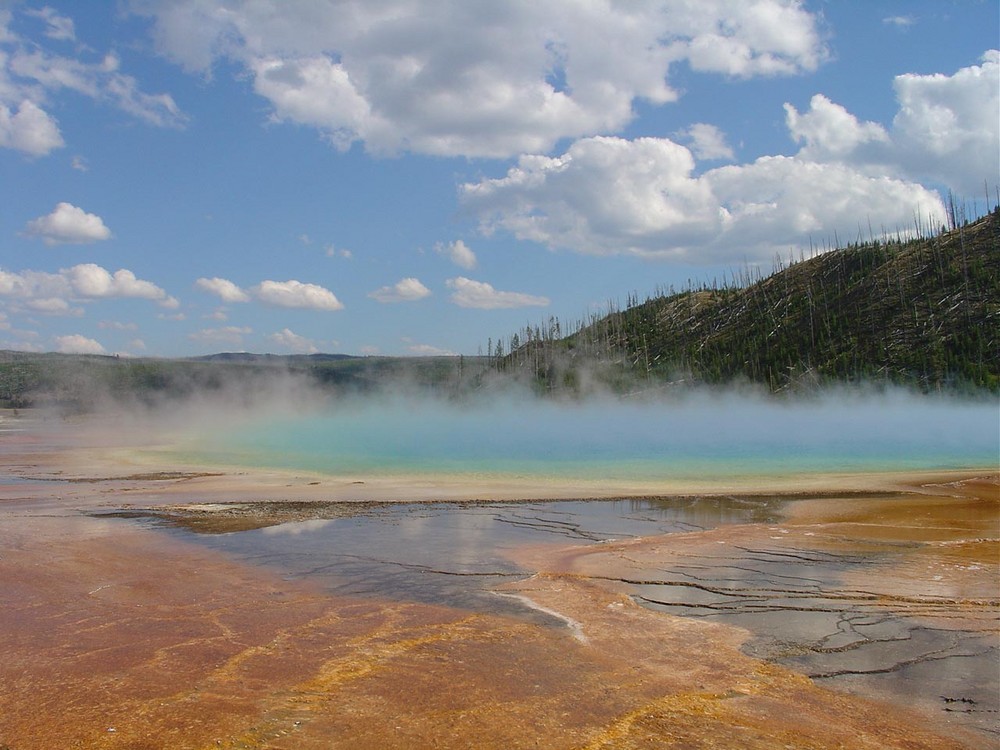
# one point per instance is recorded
(693, 438)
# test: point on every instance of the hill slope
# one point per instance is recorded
(924, 312)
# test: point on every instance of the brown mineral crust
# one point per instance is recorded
(120, 636)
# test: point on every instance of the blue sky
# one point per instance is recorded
(180, 177)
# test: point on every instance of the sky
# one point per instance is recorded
(415, 177)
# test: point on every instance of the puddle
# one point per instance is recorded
(453, 554)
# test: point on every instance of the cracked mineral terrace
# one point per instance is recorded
(173, 607)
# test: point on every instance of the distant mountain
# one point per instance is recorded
(924, 312)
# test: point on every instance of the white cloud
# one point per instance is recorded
(405, 290)
(829, 131)
(78, 344)
(225, 335)
(294, 293)
(479, 294)
(609, 196)
(426, 350)
(707, 142)
(947, 130)
(899, 21)
(31, 75)
(68, 224)
(444, 77)
(53, 292)
(226, 290)
(101, 81)
(290, 341)
(458, 253)
(603, 196)
(948, 127)
(29, 130)
(79, 164)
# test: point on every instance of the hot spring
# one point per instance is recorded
(702, 436)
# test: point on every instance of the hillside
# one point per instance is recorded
(924, 312)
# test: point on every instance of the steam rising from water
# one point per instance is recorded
(699, 435)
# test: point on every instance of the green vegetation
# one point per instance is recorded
(923, 312)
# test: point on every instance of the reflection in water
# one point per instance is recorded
(452, 553)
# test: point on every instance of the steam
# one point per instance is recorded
(277, 417)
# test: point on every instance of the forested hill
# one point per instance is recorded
(924, 312)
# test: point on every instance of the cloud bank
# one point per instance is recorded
(453, 78)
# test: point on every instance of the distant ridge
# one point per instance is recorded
(923, 312)
(81, 382)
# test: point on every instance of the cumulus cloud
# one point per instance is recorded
(829, 131)
(78, 344)
(53, 292)
(226, 290)
(225, 335)
(294, 293)
(70, 225)
(479, 294)
(603, 196)
(278, 293)
(290, 341)
(947, 129)
(405, 290)
(442, 77)
(458, 253)
(609, 196)
(29, 129)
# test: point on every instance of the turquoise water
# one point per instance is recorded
(697, 437)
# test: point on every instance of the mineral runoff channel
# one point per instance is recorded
(148, 605)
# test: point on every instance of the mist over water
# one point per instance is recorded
(698, 435)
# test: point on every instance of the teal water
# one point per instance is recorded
(694, 438)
